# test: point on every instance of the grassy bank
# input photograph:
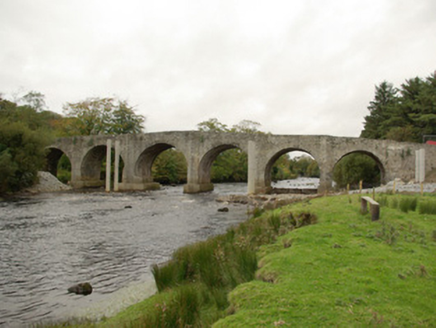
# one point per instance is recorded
(346, 271)
(343, 271)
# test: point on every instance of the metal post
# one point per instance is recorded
(108, 165)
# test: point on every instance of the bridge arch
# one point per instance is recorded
(53, 156)
(275, 157)
(91, 166)
(205, 166)
(371, 155)
(144, 163)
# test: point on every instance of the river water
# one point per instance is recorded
(51, 241)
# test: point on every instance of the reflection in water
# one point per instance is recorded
(52, 241)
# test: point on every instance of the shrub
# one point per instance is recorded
(22, 154)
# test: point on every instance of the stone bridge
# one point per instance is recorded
(406, 161)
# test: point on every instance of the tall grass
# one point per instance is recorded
(427, 207)
(204, 272)
(407, 204)
(181, 310)
(402, 203)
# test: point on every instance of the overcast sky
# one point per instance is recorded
(294, 66)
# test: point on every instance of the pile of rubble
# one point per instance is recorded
(47, 183)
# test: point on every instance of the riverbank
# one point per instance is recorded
(88, 209)
(343, 271)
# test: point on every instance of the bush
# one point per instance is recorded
(22, 154)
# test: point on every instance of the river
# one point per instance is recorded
(51, 241)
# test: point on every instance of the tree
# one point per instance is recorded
(22, 154)
(246, 126)
(25, 131)
(281, 169)
(380, 110)
(34, 99)
(103, 116)
(170, 167)
(36, 118)
(404, 114)
(212, 125)
(355, 167)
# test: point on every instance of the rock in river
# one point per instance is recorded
(82, 288)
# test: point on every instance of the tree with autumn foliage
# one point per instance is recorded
(102, 116)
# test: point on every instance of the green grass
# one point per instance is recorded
(345, 271)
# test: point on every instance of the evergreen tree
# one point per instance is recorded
(380, 110)
(404, 114)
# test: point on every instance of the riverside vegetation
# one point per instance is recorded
(343, 271)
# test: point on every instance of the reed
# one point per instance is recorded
(427, 207)
(215, 267)
(407, 204)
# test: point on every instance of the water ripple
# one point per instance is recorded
(52, 241)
